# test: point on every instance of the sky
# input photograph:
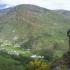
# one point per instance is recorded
(49, 4)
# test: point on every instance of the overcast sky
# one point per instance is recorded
(50, 4)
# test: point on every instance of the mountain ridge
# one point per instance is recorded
(35, 25)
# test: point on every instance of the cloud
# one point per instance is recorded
(50, 4)
(15, 2)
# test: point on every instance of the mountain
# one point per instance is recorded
(34, 27)
(2, 6)
(63, 12)
(27, 31)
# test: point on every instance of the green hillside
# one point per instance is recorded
(29, 27)
(28, 22)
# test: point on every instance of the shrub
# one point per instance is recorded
(37, 65)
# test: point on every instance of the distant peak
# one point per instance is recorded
(2, 6)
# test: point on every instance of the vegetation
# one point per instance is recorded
(37, 65)
(32, 38)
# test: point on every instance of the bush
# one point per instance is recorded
(37, 65)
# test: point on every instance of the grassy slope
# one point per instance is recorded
(8, 63)
(36, 27)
